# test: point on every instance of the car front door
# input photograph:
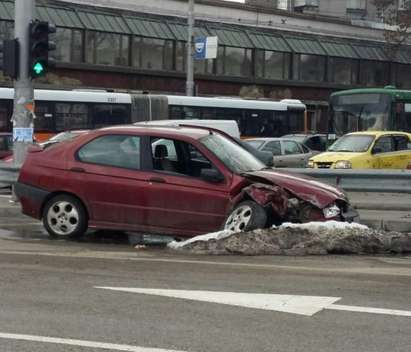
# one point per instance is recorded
(383, 152)
(402, 147)
(180, 201)
(107, 173)
(293, 155)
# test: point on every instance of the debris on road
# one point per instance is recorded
(315, 238)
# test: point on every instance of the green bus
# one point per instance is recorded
(369, 109)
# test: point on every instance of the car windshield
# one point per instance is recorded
(254, 143)
(360, 112)
(236, 158)
(352, 143)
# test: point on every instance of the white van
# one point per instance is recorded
(228, 126)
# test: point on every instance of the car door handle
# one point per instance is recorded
(77, 169)
(157, 180)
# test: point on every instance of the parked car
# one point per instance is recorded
(122, 178)
(317, 142)
(366, 150)
(285, 152)
(6, 144)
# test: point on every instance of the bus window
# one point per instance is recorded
(107, 115)
(6, 111)
(403, 118)
(44, 120)
(72, 116)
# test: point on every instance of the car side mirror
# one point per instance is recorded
(211, 175)
(377, 150)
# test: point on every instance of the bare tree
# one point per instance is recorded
(398, 24)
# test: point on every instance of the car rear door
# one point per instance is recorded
(179, 200)
(274, 147)
(402, 147)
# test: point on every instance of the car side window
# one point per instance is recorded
(384, 145)
(178, 157)
(273, 147)
(291, 147)
(402, 143)
(112, 150)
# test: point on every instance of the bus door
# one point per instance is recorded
(44, 122)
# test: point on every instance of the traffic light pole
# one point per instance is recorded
(23, 87)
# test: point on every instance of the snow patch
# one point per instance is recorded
(202, 238)
(325, 225)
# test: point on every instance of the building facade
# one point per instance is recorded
(264, 53)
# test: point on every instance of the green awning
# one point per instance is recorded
(305, 46)
(231, 38)
(180, 31)
(269, 42)
(369, 52)
(149, 28)
(59, 16)
(337, 49)
(7, 10)
(103, 22)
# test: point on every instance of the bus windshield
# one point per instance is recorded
(360, 112)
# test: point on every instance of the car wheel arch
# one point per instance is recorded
(59, 193)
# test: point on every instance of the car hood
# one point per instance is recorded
(334, 156)
(306, 188)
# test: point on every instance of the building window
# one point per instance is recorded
(403, 76)
(107, 48)
(373, 73)
(6, 30)
(342, 71)
(153, 54)
(234, 61)
(204, 66)
(309, 67)
(272, 65)
(181, 54)
(69, 45)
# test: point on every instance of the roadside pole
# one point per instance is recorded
(190, 63)
(23, 87)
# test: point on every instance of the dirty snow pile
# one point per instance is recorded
(315, 238)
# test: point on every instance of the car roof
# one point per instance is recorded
(269, 139)
(378, 133)
(166, 131)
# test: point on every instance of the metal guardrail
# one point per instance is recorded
(9, 174)
(365, 180)
(394, 181)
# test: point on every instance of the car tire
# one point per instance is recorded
(64, 216)
(246, 216)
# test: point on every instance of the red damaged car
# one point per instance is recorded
(169, 180)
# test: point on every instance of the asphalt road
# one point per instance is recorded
(49, 300)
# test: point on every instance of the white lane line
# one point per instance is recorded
(82, 343)
(403, 313)
(301, 305)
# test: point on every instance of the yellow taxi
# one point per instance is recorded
(366, 150)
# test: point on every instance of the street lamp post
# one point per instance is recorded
(190, 63)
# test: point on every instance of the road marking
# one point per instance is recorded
(302, 305)
(403, 313)
(294, 304)
(82, 343)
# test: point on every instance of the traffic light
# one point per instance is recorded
(40, 46)
(9, 58)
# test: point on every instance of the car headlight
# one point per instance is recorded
(343, 164)
(310, 163)
(331, 211)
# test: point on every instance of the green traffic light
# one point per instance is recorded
(38, 68)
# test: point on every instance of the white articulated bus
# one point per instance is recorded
(62, 110)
